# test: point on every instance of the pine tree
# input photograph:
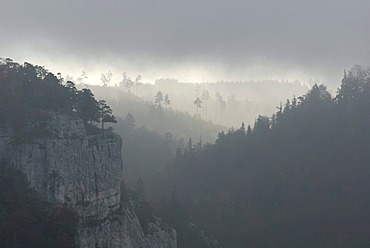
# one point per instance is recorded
(105, 113)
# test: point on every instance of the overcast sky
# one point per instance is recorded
(191, 39)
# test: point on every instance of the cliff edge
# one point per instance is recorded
(66, 165)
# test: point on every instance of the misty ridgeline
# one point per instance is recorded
(226, 103)
(290, 174)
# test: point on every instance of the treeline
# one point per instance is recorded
(227, 102)
(29, 89)
(299, 178)
(160, 118)
(27, 221)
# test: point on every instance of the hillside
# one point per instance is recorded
(296, 179)
(158, 118)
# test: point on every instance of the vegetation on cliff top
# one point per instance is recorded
(29, 91)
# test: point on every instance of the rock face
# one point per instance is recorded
(65, 165)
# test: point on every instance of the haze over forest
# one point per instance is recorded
(192, 41)
(184, 124)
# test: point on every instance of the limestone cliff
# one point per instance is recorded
(66, 165)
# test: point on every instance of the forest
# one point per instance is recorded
(185, 124)
(224, 103)
(296, 178)
(29, 91)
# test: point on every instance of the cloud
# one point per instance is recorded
(206, 38)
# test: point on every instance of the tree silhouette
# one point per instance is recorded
(81, 79)
(129, 123)
(221, 103)
(127, 83)
(198, 104)
(88, 108)
(105, 113)
(105, 78)
(158, 98)
(124, 79)
(73, 99)
(166, 100)
(137, 82)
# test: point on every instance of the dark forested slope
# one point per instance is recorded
(297, 179)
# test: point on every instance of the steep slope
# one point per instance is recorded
(297, 179)
(66, 165)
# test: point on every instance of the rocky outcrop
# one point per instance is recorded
(66, 165)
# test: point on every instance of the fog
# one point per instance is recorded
(189, 124)
(193, 40)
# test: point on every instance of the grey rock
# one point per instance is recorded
(66, 165)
